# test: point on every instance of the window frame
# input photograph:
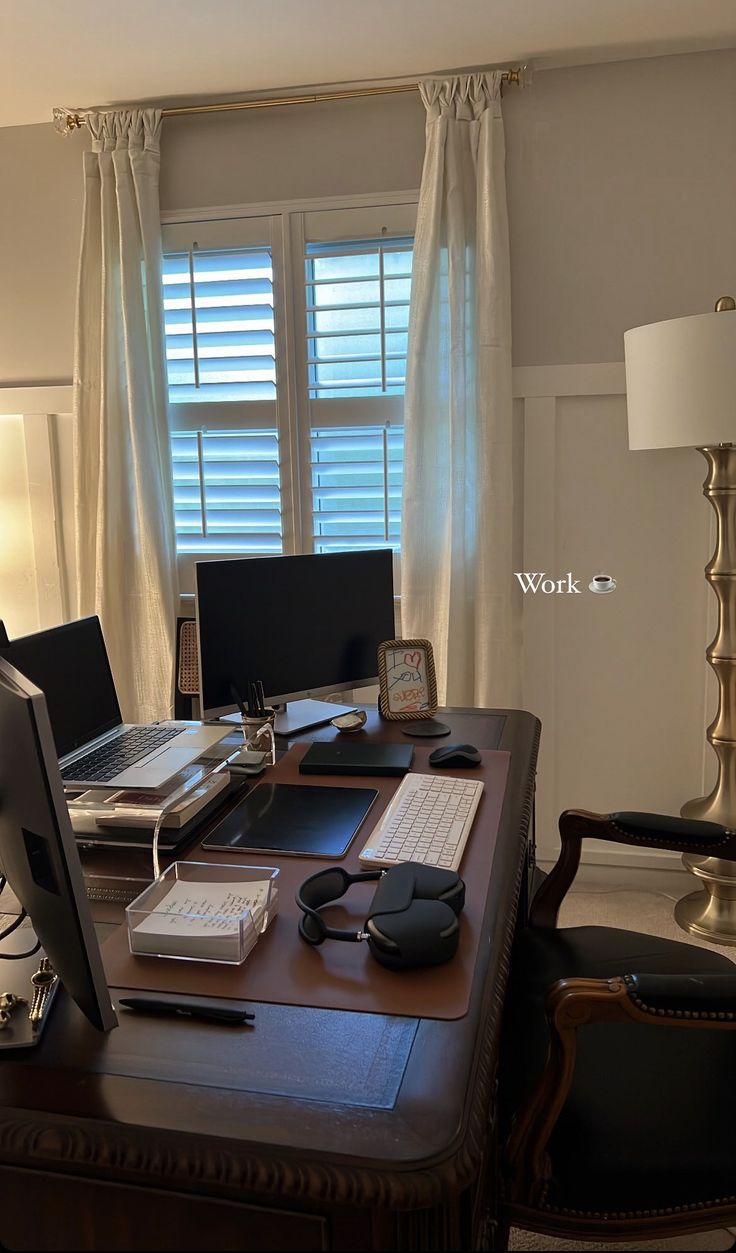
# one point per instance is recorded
(285, 228)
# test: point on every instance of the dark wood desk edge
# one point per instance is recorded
(175, 1159)
(460, 1156)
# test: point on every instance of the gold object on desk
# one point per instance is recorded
(353, 721)
(8, 1002)
(42, 981)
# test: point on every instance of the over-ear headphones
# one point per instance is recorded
(412, 920)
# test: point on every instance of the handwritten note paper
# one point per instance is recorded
(406, 680)
(201, 919)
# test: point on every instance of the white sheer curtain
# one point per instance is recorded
(126, 559)
(456, 581)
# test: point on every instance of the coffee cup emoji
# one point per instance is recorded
(601, 584)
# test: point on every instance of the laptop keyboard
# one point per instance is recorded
(111, 759)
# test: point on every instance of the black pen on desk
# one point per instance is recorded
(253, 700)
(229, 1015)
(261, 697)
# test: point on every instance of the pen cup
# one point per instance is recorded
(259, 735)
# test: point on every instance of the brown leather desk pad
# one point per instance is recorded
(284, 970)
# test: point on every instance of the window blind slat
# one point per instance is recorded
(234, 477)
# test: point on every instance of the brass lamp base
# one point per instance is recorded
(711, 912)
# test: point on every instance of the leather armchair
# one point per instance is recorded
(618, 1067)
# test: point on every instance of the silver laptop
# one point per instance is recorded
(95, 747)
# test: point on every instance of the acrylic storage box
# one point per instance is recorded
(198, 911)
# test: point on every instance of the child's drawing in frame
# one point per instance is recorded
(408, 684)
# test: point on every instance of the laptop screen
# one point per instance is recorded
(70, 665)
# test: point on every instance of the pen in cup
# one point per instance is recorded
(238, 701)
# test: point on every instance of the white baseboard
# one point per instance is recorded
(671, 881)
(598, 853)
(636, 858)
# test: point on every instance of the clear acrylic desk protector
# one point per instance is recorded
(200, 777)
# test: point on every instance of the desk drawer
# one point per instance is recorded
(62, 1212)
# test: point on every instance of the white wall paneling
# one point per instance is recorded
(619, 681)
(38, 596)
(44, 497)
(18, 600)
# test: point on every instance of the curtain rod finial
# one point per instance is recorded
(65, 121)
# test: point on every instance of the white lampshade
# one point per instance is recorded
(681, 382)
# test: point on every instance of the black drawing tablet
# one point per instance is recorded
(294, 818)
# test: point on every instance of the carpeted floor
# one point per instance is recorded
(706, 1241)
(631, 910)
(650, 912)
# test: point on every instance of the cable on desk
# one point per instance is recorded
(9, 931)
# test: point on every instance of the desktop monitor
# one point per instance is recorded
(38, 854)
(305, 626)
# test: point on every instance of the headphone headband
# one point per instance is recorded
(318, 890)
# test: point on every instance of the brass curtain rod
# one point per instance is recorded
(69, 121)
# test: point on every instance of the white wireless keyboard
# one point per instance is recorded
(428, 820)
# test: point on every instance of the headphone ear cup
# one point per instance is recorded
(425, 934)
(436, 883)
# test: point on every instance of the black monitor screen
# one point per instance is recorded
(37, 849)
(70, 665)
(302, 625)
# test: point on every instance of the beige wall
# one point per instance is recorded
(351, 146)
(40, 217)
(621, 178)
(622, 185)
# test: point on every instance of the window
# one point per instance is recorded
(218, 309)
(356, 487)
(286, 359)
(357, 317)
(226, 492)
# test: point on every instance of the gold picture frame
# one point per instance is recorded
(407, 680)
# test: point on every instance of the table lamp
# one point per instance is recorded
(681, 391)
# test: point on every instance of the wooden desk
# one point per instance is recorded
(318, 1130)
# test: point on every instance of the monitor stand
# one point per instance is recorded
(301, 715)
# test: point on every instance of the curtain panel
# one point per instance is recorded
(124, 513)
(457, 559)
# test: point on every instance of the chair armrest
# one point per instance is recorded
(686, 1001)
(706, 998)
(665, 831)
(681, 835)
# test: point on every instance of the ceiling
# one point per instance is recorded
(93, 52)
